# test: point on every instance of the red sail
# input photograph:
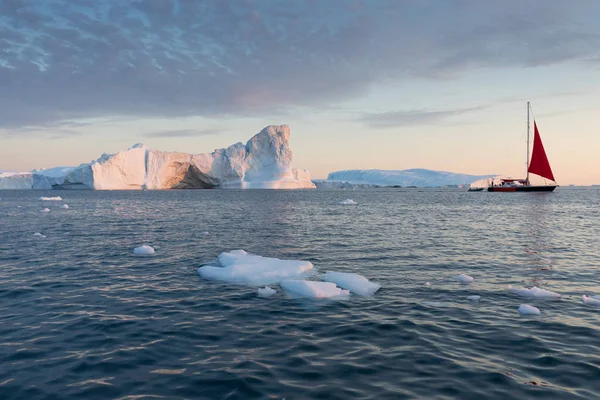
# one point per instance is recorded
(539, 164)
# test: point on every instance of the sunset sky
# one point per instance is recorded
(435, 84)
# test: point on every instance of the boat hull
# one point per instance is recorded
(544, 188)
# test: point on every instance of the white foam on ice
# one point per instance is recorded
(39, 235)
(56, 198)
(143, 250)
(591, 301)
(526, 309)
(240, 267)
(355, 283)
(45, 210)
(464, 279)
(313, 290)
(534, 293)
(473, 298)
(65, 206)
(267, 291)
(348, 202)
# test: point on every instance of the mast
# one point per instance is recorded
(527, 178)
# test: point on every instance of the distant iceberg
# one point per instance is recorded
(264, 162)
(410, 177)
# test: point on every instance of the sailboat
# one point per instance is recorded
(537, 165)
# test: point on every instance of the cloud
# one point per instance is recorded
(413, 117)
(67, 60)
(185, 133)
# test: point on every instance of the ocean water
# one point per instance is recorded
(82, 318)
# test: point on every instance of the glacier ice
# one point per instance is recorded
(409, 177)
(355, 283)
(264, 162)
(240, 267)
(526, 309)
(313, 290)
(534, 292)
(143, 250)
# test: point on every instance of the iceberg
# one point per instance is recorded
(534, 292)
(264, 162)
(348, 202)
(265, 292)
(591, 301)
(464, 279)
(355, 283)
(143, 250)
(313, 290)
(409, 177)
(526, 309)
(242, 268)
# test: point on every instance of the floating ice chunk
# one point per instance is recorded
(65, 206)
(526, 309)
(313, 290)
(534, 292)
(39, 235)
(355, 283)
(205, 233)
(45, 210)
(427, 284)
(473, 298)
(267, 291)
(57, 198)
(464, 279)
(348, 202)
(591, 301)
(143, 250)
(239, 267)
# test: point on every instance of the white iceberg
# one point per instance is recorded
(534, 292)
(65, 206)
(526, 309)
(427, 284)
(45, 210)
(355, 283)
(143, 250)
(313, 290)
(267, 291)
(409, 177)
(464, 279)
(264, 162)
(39, 235)
(56, 198)
(243, 268)
(591, 301)
(473, 298)
(348, 202)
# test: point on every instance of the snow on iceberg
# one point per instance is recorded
(534, 292)
(313, 290)
(56, 198)
(355, 283)
(409, 177)
(265, 292)
(348, 202)
(240, 267)
(591, 301)
(143, 250)
(526, 309)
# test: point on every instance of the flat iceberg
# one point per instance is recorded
(534, 292)
(143, 250)
(526, 309)
(267, 291)
(348, 202)
(313, 290)
(242, 268)
(57, 198)
(408, 177)
(355, 283)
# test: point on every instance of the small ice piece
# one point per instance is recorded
(355, 283)
(267, 291)
(591, 301)
(57, 198)
(473, 298)
(534, 293)
(464, 279)
(45, 210)
(143, 250)
(348, 202)
(39, 235)
(313, 290)
(526, 309)
(205, 233)
(243, 268)
(65, 206)
(427, 284)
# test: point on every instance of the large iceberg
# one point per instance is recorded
(264, 162)
(409, 177)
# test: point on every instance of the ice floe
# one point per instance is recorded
(591, 301)
(56, 198)
(240, 267)
(45, 210)
(267, 291)
(313, 290)
(65, 206)
(464, 279)
(143, 250)
(534, 292)
(348, 202)
(355, 283)
(39, 235)
(473, 298)
(526, 309)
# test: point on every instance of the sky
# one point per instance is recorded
(437, 84)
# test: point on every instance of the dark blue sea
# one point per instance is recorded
(82, 318)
